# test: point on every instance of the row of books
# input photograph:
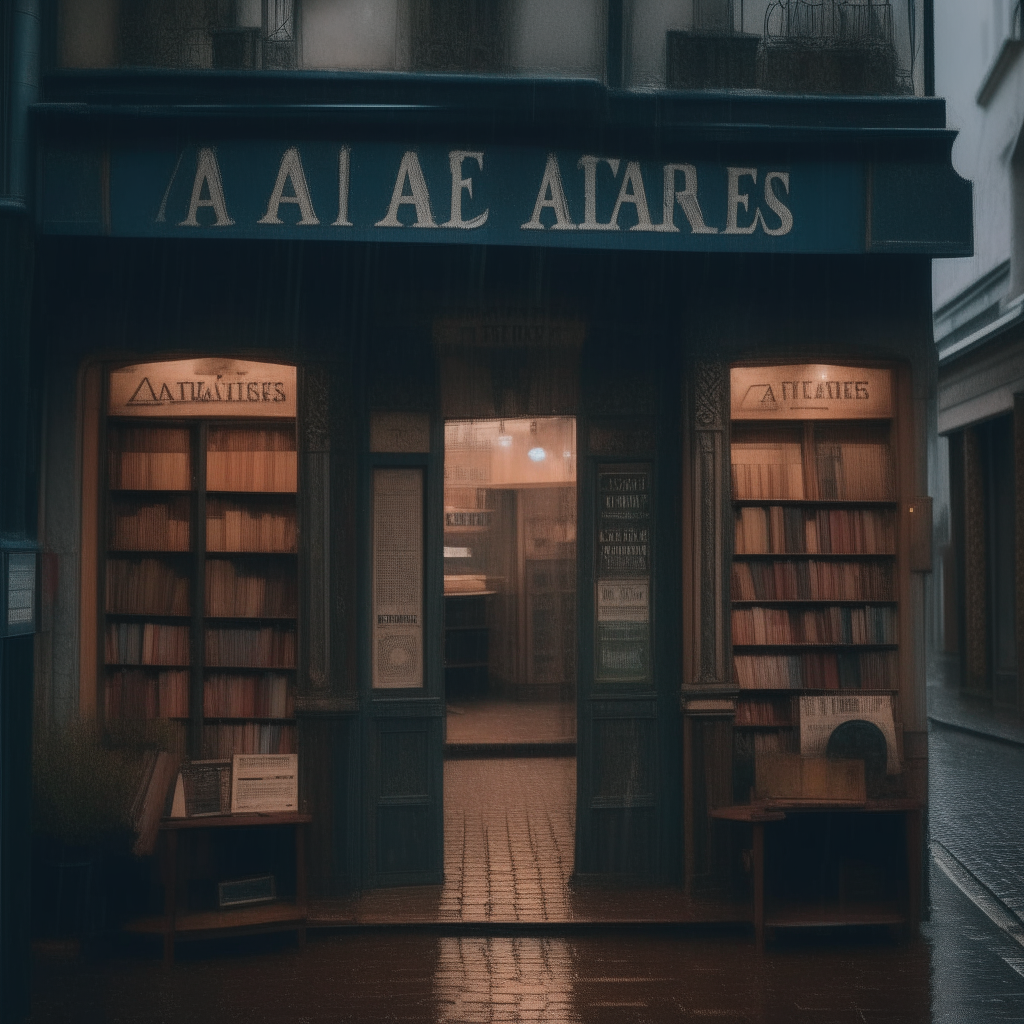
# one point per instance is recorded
(854, 471)
(251, 471)
(233, 526)
(222, 740)
(265, 647)
(814, 670)
(279, 437)
(266, 695)
(767, 470)
(777, 529)
(811, 580)
(146, 586)
(150, 525)
(836, 624)
(766, 711)
(860, 471)
(149, 643)
(136, 694)
(150, 471)
(238, 590)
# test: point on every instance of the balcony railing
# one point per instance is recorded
(830, 46)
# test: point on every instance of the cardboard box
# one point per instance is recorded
(792, 777)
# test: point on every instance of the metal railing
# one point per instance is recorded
(829, 22)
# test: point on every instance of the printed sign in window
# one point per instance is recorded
(397, 578)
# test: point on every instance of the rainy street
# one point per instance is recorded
(964, 967)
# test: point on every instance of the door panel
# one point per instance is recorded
(402, 702)
(406, 800)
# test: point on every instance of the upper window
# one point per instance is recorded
(804, 46)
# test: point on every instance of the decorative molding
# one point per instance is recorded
(710, 524)
(709, 388)
(316, 518)
(315, 409)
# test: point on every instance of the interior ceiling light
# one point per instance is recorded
(537, 454)
(505, 440)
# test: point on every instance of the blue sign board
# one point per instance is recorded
(490, 195)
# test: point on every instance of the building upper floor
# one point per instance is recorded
(979, 71)
(830, 47)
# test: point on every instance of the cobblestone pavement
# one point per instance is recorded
(509, 835)
(398, 976)
(976, 809)
(962, 971)
(508, 858)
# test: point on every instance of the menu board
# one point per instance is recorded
(397, 578)
(623, 634)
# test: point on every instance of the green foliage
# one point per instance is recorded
(83, 784)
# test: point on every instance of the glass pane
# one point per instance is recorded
(623, 633)
(510, 580)
(397, 578)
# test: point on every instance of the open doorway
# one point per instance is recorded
(510, 586)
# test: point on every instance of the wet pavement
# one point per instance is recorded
(509, 837)
(515, 861)
(977, 809)
(961, 970)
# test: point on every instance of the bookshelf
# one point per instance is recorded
(814, 579)
(200, 590)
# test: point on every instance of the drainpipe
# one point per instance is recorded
(19, 83)
(929, 47)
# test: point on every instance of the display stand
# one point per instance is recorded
(904, 913)
(212, 924)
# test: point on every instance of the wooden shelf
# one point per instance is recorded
(249, 668)
(134, 664)
(813, 600)
(210, 490)
(250, 618)
(151, 490)
(236, 820)
(229, 554)
(147, 552)
(187, 616)
(813, 691)
(834, 916)
(819, 647)
(208, 924)
(776, 556)
(816, 502)
(249, 718)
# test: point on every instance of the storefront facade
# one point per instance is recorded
(291, 338)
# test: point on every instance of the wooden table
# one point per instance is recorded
(757, 815)
(210, 924)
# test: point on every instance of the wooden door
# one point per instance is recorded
(627, 753)
(403, 701)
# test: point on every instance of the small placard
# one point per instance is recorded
(19, 598)
(203, 387)
(810, 391)
(264, 783)
(623, 600)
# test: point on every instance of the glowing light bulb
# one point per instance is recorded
(537, 454)
(505, 440)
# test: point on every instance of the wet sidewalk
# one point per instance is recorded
(509, 850)
(949, 708)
